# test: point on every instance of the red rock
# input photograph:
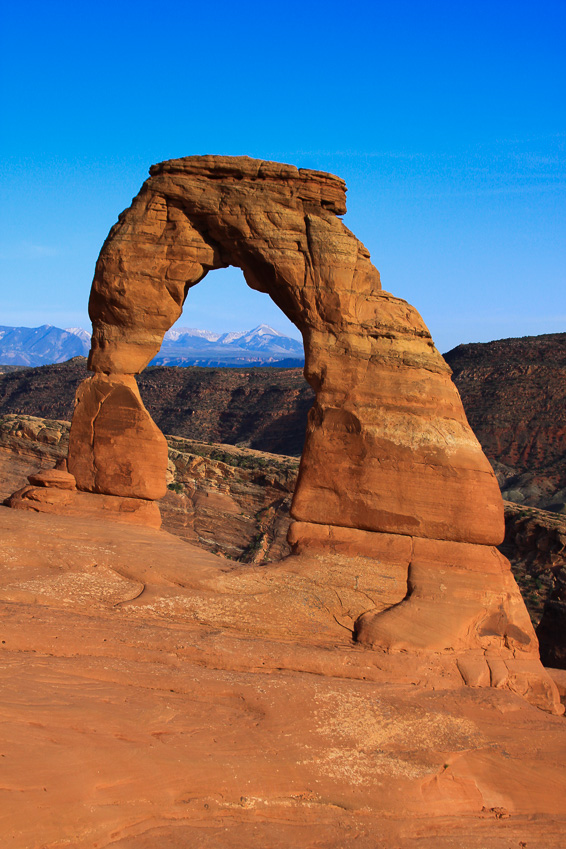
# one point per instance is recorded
(53, 478)
(459, 598)
(388, 446)
(157, 696)
(115, 448)
(113, 508)
(306, 536)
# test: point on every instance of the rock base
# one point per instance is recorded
(461, 604)
(54, 491)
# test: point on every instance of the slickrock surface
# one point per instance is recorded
(154, 695)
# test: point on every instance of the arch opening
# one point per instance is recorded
(223, 303)
(235, 417)
(245, 387)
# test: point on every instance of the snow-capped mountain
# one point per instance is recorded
(175, 334)
(84, 335)
(38, 346)
(261, 338)
(263, 345)
(182, 346)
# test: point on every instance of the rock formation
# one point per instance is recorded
(391, 470)
(385, 414)
(513, 392)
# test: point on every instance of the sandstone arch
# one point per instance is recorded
(391, 470)
(388, 447)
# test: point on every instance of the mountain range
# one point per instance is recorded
(187, 346)
(183, 346)
(39, 346)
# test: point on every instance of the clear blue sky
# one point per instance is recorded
(446, 119)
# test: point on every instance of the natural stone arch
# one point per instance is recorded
(391, 473)
(388, 447)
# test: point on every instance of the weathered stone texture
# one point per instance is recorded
(115, 448)
(155, 696)
(86, 505)
(388, 447)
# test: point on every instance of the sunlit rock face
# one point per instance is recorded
(115, 447)
(388, 446)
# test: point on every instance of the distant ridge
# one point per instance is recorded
(39, 346)
(184, 346)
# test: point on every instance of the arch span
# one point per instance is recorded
(388, 447)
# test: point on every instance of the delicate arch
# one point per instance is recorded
(391, 474)
(388, 447)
